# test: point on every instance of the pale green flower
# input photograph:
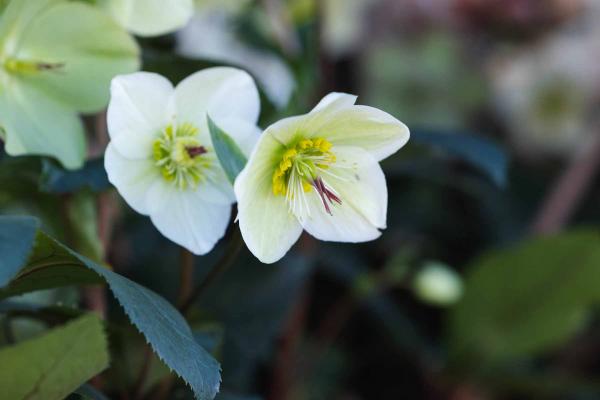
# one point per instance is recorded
(319, 172)
(150, 17)
(56, 59)
(161, 157)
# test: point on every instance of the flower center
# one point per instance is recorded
(181, 158)
(301, 170)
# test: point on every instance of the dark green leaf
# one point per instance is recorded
(528, 299)
(52, 264)
(481, 153)
(16, 236)
(56, 179)
(53, 365)
(230, 156)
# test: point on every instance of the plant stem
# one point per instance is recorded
(568, 191)
(231, 252)
(186, 276)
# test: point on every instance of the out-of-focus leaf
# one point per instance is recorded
(231, 396)
(230, 156)
(481, 153)
(92, 176)
(51, 264)
(83, 219)
(53, 365)
(251, 301)
(528, 299)
(16, 236)
(88, 392)
(210, 340)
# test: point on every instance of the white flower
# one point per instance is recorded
(150, 17)
(318, 172)
(546, 94)
(160, 157)
(211, 35)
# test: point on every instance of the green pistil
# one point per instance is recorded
(182, 159)
(23, 67)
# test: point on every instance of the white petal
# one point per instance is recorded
(217, 189)
(150, 17)
(346, 224)
(358, 181)
(345, 124)
(132, 177)
(186, 219)
(137, 112)
(334, 101)
(222, 92)
(268, 228)
(289, 129)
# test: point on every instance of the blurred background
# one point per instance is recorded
(486, 281)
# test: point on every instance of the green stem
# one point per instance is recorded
(231, 252)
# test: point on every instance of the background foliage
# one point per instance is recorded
(484, 285)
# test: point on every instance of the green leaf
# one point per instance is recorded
(528, 299)
(92, 176)
(480, 152)
(51, 265)
(53, 365)
(230, 156)
(16, 236)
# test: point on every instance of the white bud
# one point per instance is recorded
(438, 284)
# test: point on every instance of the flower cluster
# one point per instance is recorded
(317, 172)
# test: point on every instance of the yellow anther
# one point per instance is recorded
(289, 153)
(325, 146)
(305, 144)
(310, 154)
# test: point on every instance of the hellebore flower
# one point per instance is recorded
(57, 58)
(150, 17)
(319, 172)
(161, 157)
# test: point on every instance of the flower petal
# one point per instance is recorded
(132, 178)
(185, 218)
(36, 124)
(150, 17)
(267, 226)
(344, 124)
(358, 181)
(82, 49)
(137, 112)
(345, 225)
(334, 101)
(217, 189)
(222, 92)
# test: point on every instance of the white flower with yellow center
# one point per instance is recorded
(319, 172)
(161, 157)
